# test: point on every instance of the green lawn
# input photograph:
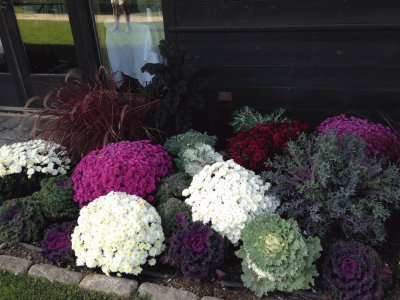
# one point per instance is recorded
(22, 287)
(46, 32)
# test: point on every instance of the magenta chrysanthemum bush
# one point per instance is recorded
(130, 167)
(379, 139)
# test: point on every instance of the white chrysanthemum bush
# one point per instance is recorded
(119, 233)
(23, 165)
(228, 196)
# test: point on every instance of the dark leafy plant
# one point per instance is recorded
(168, 212)
(330, 186)
(180, 87)
(196, 249)
(248, 117)
(56, 243)
(252, 147)
(19, 185)
(172, 186)
(353, 271)
(84, 117)
(57, 198)
(21, 220)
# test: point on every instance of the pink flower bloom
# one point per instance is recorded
(131, 167)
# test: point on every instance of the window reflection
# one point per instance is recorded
(129, 32)
(47, 36)
(3, 65)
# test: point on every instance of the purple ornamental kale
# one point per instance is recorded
(56, 244)
(353, 271)
(195, 248)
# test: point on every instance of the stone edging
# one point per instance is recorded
(120, 287)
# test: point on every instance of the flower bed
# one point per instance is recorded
(182, 209)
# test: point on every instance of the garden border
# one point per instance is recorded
(110, 285)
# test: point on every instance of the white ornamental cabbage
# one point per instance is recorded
(35, 156)
(118, 232)
(229, 196)
(196, 157)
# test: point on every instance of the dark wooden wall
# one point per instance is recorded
(314, 57)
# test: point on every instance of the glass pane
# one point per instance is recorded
(47, 36)
(3, 65)
(129, 32)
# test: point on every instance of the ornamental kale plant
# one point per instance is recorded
(180, 87)
(276, 257)
(195, 249)
(248, 117)
(177, 142)
(57, 198)
(193, 159)
(353, 271)
(172, 186)
(331, 186)
(131, 167)
(168, 212)
(21, 220)
(251, 148)
(56, 243)
(378, 139)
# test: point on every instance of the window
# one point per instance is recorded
(3, 65)
(128, 33)
(46, 34)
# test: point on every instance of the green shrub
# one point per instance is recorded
(329, 185)
(21, 220)
(247, 118)
(57, 198)
(276, 257)
(168, 212)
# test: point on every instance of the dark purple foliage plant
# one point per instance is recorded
(56, 244)
(196, 249)
(354, 271)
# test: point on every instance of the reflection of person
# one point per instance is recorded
(118, 6)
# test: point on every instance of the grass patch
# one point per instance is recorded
(46, 32)
(18, 287)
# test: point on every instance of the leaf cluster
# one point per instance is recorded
(57, 198)
(276, 256)
(330, 186)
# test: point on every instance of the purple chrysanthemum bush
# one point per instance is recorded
(379, 139)
(131, 167)
(196, 249)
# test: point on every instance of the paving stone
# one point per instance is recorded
(159, 292)
(13, 135)
(211, 298)
(4, 141)
(14, 265)
(55, 274)
(109, 285)
(31, 247)
(10, 122)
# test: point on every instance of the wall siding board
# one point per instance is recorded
(314, 57)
